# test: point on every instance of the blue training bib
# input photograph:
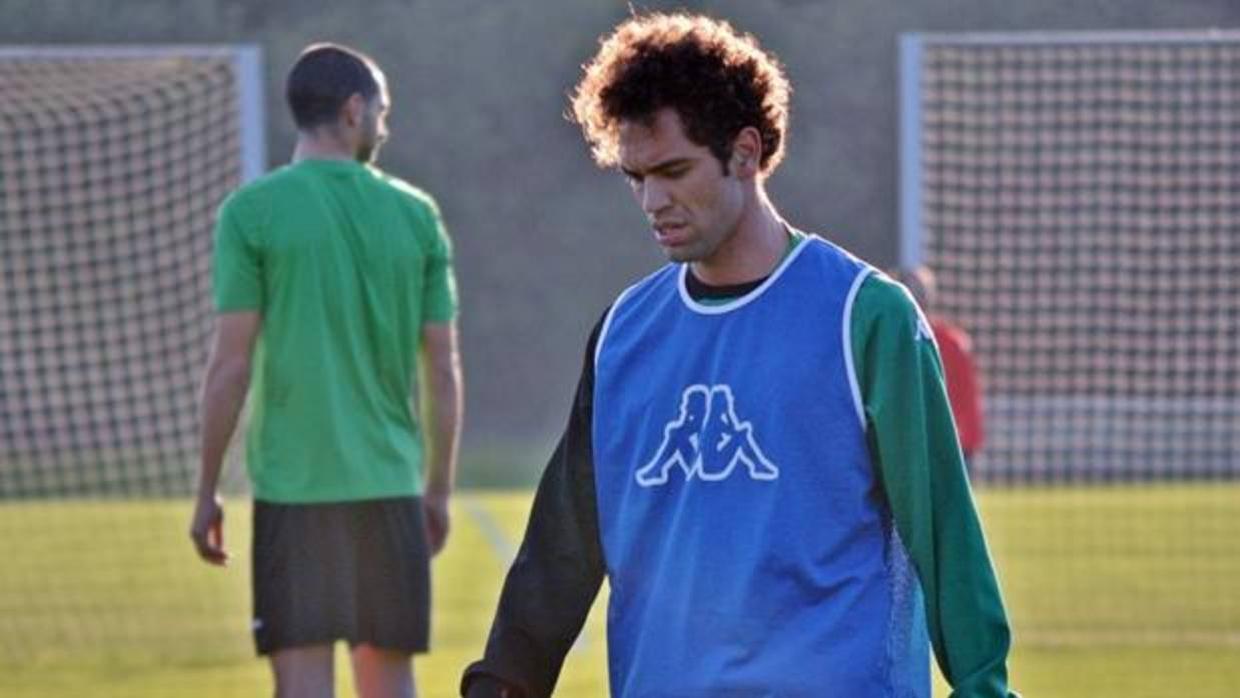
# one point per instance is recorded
(748, 545)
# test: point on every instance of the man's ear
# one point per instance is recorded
(746, 153)
(354, 110)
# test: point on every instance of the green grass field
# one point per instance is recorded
(1112, 591)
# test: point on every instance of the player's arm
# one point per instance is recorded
(557, 571)
(913, 440)
(442, 361)
(237, 286)
(223, 394)
(440, 364)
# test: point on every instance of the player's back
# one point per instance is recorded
(345, 255)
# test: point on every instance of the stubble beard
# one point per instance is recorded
(366, 153)
(700, 250)
(693, 252)
(368, 149)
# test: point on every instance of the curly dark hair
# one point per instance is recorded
(718, 80)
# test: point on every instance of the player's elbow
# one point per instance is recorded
(229, 372)
(443, 368)
(446, 388)
(446, 370)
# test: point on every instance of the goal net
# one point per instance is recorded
(112, 163)
(1078, 197)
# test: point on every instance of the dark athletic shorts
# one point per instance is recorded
(353, 571)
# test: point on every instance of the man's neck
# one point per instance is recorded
(759, 243)
(320, 148)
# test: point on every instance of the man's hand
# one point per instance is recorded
(223, 394)
(207, 529)
(438, 519)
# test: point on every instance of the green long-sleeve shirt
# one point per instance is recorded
(913, 442)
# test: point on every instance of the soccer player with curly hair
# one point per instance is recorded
(761, 458)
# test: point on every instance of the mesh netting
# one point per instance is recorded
(1080, 203)
(110, 170)
(111, 167)
(1083, 210)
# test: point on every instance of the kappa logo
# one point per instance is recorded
(923, 330)
(707, 440)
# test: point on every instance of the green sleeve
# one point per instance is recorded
(236, 265)
(439, 301)
(913, 442)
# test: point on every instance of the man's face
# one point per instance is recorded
(373, 129)
(693, 207)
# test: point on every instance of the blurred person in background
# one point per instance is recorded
(964, 382)
(330, 278)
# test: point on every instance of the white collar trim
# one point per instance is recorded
(737, 303)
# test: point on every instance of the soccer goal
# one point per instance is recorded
(1078, 196)
(112, 163)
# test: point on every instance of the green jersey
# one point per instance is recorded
(345, 264)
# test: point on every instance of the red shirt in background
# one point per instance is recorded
(964, 388)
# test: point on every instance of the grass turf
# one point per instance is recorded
(1112, 591)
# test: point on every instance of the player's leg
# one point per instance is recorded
(304, 672)
(303, 559)
(393, 596)
(380, 673)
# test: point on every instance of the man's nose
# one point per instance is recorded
(654, 196)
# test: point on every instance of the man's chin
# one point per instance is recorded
(682, 254)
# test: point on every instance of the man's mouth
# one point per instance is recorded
(671, 234)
